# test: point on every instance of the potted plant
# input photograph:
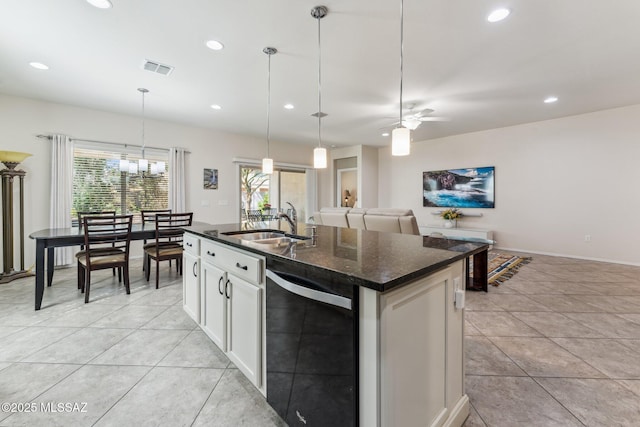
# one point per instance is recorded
(450, 217)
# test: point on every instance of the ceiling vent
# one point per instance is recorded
(157, 67)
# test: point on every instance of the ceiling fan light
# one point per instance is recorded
(411, 124)
(400, 142)
(320, 158)
(267, 165)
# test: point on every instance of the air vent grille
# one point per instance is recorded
(157, 67)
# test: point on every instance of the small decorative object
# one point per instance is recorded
(211, 179)
(450, 217)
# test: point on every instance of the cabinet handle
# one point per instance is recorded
(244, 267)
(195, 264)
(189, 244)
(226, 287)
(211, 253)
(219, 284)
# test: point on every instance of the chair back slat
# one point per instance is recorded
(169, 227)
(107, 232)
(150, 215)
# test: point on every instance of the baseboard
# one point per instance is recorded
(459, 413)
(527, 251)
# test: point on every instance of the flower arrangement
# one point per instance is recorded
(451, 214)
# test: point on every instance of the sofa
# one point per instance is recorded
(376, 219)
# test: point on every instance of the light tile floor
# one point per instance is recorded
(556, 345)
(136, 360)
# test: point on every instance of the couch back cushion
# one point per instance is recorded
(336, 217)
(355, 217)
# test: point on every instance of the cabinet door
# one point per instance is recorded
(245, 339)
(191, 286)
(213, 319)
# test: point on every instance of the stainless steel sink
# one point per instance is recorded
(256, 235)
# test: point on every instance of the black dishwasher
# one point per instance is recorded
(312, 351)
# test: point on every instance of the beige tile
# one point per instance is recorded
(516, 401)
(146, 347)
(469, 329)
(633, 385)
(479, 301)
(610, 304)
(541, 357)
(173, 317)
(516, 303)
(609, 356)
(164, 397)
(20, 345)
(129, 316)
(595, 402)
(473, 420)
(552, 324)
(632, 344)
(16, 388)
(564, 304)
(196, 350)
(609, 325)
(499, 324)
(482, 357)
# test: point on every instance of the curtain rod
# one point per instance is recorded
(49, 137)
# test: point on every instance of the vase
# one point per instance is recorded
(450, 223)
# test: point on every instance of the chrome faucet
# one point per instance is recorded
(292, 220)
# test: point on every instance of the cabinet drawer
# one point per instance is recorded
(242, 265)
(191, 244)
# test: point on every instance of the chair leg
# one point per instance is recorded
(126, 278)
(114, 271)
(157, 273)
(147, 263)
(80, 276)
(87, 284)
(179, 262)
(119, 274)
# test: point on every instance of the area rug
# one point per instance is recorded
(502, 267)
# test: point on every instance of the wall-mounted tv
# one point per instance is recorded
(459, 188)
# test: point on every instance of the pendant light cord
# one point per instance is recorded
(319, 87)
(401, 54)
(268, 105)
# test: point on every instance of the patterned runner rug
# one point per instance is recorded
(502, 267)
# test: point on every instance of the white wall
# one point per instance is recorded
(22, 119)
(556, 181)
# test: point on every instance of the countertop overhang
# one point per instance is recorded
(376, 260)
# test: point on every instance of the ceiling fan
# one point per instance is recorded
(412, 119)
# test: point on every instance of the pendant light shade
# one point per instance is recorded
(124, 165)
(400, 142)
(319, 153)
(267, 162)
(320, 158)
(401, 136)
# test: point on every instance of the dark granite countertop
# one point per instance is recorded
(379, 261)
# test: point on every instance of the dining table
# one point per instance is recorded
(50, 238)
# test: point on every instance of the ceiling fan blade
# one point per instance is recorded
(433, 119)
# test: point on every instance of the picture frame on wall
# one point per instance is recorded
(459, 188)
(210, 179)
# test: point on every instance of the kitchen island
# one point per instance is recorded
(407, 309)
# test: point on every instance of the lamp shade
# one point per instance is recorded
(400, 142)
(13, 156)
(143, 164)
(267, 165)
(124, 165)
(320, 158)
(154, 169)
(133, 167)
(161, 167)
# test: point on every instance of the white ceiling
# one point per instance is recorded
(479, 75)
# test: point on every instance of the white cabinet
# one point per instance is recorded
(191, 277)
(231, 311)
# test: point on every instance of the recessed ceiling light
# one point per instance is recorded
(100, 4)
(216, 107)
(550, 99)
(39, 65)
(289, 106)
(214, 45)
(498, 15)
(385, 134)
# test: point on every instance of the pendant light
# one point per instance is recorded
(319, 153)
(401, 136)
(267, 162)
(143, 164)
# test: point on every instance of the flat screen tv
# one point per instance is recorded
(459, 188)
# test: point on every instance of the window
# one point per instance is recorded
(99, 185)
(262, 196)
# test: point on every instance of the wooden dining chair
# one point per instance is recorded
(107, 240)
(106, 250)
(168, 242)
(149, 217)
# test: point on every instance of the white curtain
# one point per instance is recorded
(177, 184)
(61, 191)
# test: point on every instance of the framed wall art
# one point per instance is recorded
(459, 188)
(211, 179)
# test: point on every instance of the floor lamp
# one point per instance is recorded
(11, 159)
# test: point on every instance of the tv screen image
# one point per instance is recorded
(459, 188)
